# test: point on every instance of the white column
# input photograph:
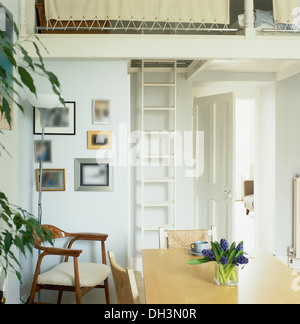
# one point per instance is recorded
(23, 19)
(249, 18)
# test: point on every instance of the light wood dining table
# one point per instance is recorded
(170, 280)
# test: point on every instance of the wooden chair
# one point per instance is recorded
(125, 284)
(70, 276)
(182, 239)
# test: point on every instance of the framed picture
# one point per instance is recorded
(99, 140)
(53, 180)
(43, 151)
(101, 112)
(57, 121)
(94, 175)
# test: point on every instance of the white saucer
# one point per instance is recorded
(195, 253)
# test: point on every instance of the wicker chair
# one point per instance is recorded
(182, 239)
(125, 284)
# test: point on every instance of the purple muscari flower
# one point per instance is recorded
(224, 245)
(209, 254)
(223, 260)
(240, 260)
(239, 247)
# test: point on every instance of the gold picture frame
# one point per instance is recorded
(99, 140)
(53, 180)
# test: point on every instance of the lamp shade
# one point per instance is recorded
(48, 101)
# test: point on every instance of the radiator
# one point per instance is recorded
(297, 217)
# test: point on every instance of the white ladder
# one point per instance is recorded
(158, 158)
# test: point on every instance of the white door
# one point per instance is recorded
(214, 188)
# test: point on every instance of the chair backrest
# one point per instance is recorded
(182, 239)
(125, 284)
(55, 233)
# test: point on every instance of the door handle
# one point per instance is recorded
(227, 192)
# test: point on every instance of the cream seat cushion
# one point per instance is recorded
(90, 274)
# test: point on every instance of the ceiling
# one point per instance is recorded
(249, 65)
(281, 68)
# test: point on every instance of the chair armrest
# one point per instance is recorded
(90, 236)
(59, 251)
(87, 237)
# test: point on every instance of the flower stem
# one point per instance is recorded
(221, 274)
(230, 273)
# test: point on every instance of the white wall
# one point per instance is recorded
(287, 158)
(268, 167)
(185, 219)
(73, 211)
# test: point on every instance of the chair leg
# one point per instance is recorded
(32, 294)
(59, 298)
(107, 291)
(77, 282)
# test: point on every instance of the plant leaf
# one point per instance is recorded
(231, 256)
(215, 250)
(198, 261)
(27, 79)
(53, 78)
(16, 30)
(10, 56)
(7, 241)
(27, 58)
(6, 110)
(18, 242)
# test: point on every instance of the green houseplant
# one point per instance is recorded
(17, 226)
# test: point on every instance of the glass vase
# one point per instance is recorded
(226, 275)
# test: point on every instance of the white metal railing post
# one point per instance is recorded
(249, 18)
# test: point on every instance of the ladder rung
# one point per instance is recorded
(160, 108)
(159, 132)
(160, 204)
(159, 156)
(159, 84)
(156, 227)
(159, 180)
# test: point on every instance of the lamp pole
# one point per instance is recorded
(40, 207)
(42, 101)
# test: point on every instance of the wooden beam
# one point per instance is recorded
(288, 71)
(196, 67)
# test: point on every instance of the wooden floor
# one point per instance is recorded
(140, 285)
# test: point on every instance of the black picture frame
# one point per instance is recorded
(70, 130)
